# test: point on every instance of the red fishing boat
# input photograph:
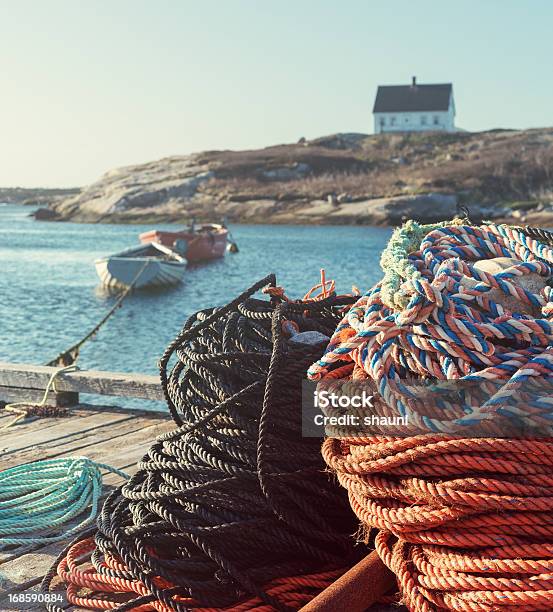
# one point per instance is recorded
(198, 242)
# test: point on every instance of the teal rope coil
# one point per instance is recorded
(38, 499)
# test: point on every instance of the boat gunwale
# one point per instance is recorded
(152, 259)
(126, 254)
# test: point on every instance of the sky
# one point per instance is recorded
(91, 85)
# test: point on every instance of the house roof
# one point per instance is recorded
(409, 98)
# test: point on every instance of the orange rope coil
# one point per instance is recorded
(466, 524)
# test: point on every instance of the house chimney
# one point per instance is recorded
(414, 82)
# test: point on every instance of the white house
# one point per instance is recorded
(414, 108)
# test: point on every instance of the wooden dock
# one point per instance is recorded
(116, 436)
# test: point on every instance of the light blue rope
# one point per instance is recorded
(39, 498)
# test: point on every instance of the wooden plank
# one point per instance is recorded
(131, 449)
(16, 441)
(34, 396)
(120, 384)
(34, 425)
(41, 423)
(123, 449)
(90, 408)
(111, 436)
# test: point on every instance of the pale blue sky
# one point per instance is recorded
(91, 85)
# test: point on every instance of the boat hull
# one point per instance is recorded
(202, 245)
(121, 272)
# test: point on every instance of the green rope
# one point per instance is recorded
(395, 263)
(38, 499)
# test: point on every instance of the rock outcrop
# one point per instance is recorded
(162, 189)
(45, 214)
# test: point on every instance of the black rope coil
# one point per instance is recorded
(234, 497)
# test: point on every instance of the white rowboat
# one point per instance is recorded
(145, 266)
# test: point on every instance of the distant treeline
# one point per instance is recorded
(35, 195)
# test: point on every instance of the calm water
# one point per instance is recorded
(50, 294)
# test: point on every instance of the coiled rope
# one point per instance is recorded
(464, 522)
(38, 500)
(232, 510)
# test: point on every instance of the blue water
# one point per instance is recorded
(50, 294)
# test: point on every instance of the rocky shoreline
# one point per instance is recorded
(502, 175)
(392, 211)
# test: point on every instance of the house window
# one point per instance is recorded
(436, 120)
(382, 121)
(423, 119)
(392, 120)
